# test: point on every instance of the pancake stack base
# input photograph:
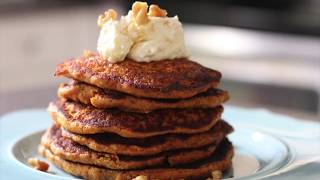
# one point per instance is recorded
(110, 122)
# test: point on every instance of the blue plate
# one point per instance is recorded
(257, 154)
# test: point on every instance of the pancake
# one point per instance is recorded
(67, 149)
(112, 143)
(103, 98)
(84, 119)
(166, 79)
(220, 160)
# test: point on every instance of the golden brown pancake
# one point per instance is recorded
(103, 98)
(166, 79)
(115, 144)
(220, 160)
(67, 149)
(84, 119)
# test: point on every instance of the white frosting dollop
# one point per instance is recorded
(160, 38)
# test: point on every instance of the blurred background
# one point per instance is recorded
(267, 50)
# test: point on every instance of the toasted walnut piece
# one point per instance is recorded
(140, 178)
(137, 6)
(216, 175)
(110, 14)
(156, 11)
(37, 164)
(140, 12)
(88, 53)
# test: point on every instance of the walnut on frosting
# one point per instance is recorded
(140, 12)
(110, 14)
(156, 11)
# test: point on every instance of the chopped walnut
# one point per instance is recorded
(139, 11)
(37, 164)
(88, 53)
(216, 174)
(156, 11)
(137, 6)
(110, 14)
(140, 178)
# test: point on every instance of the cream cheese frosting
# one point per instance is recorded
(157, 39)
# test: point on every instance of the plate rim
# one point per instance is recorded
(289, 159)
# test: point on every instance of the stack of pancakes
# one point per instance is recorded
(119, 121)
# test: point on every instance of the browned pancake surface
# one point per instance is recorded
(103, 98)
(221, 160)
(112, 143)
(84, 119)
(179, 78)
(72, 151)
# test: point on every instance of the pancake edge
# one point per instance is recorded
(92, 95)
(60, 119)
(94, 172)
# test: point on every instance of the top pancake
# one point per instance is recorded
(166, 79)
